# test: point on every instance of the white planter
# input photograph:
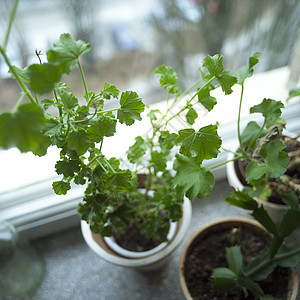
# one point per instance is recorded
(276, 211)
(148, 262)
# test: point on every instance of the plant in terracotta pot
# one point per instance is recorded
(239, 258)
(143, 197)
(266, 161)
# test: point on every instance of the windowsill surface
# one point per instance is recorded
(74, 271)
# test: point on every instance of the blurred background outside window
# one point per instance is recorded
(131, 38)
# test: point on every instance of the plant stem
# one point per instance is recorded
(11, 19)
(225, 162)
(239, 117)
(84, 83)
(18, 79)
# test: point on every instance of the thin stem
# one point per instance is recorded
(239, 117)
(19, 102)
(11, 19)
(84, 83)
(18, 79)
(226, 162)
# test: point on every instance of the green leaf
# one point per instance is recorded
(191, 179)
(61, 187)
(242, 199)
(47, 103)
(131, 108)
(69, 100)
(290, 221)
(79, 142)
(67, 167)
(42, 78)
(137, 151)
(249, 133)
(226, 81)
(203, 144)
(250, 285)
(214, 64)
(158, 160)
(234, 259)
(66, 52)
(223, 279)
(247, 71)
(168, 79)
(261, 215)
(22, 73)
(120, 181)
(293, 93)
(101, 127)
(191, 116)
(288, 255)
(276, 162)
(22, 128)
(109, 91)
(270, 109)
(205, 98)
(291, 199)
(167, 140)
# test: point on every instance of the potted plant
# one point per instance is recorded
(144, 197)
(266, 159)
(239, 258)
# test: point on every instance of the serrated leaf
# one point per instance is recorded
(69, 100)
(247, 71)
(42, 78)
(66, 52)
(22, 73)
(203, 144)
(101, 127)
(289, 222)
(214, 64)
(251, 286)
(137, 151)
(167, 140)
(226, 81)
(291, 199)
(270, 109)
(67, 167)
(119, 180)
(47, 103)
(242, 199)
(109, 91)
(79, 142)
(191, 116)
(234, 259)
(191, 179)
(275, 162)
(131, 108)
(22, 128)
(168, 79)
(223, 279)
(61, 187)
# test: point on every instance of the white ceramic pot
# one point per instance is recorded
(215, 226)
(276, 211)
(148, 262)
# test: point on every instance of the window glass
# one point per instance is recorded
(131, 38)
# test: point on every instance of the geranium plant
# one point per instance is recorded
(79, 128)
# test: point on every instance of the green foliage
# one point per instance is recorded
(168, 79)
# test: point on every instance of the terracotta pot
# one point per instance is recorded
(215, 226)
(149, 262)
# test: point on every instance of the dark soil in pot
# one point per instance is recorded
(133, 240)
(206, 254)
(293, 172)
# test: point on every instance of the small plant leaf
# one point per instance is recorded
(191, 179)
(61, 187)
(293, 93)
(22, 128)
(226, 81)
(205, 98)
(42, 78)
(214, 64)
(203, 144)
(242, 199)
(137, 151)
(223, 279)
(69, 100)
(109, 91)
(101, 127)
(249, 134)
(131, 108)
(234, 259)
(120, 180)
(270, 109)
(79, 142)
(191, 116)
(66, 52)
(67, 167)
(168, 79)
(251, 286)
